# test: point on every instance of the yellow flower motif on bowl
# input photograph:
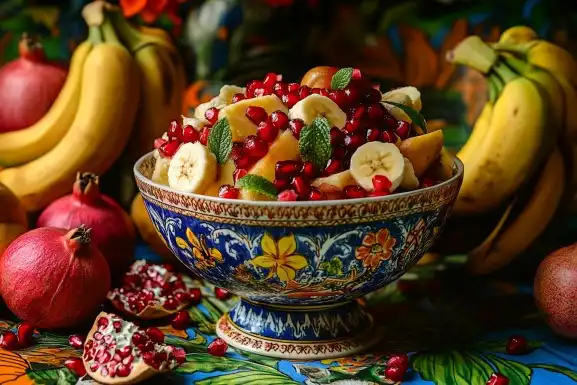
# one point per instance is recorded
(376, 247)
(280, 258)
(204, 257)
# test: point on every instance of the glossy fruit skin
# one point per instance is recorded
(211, 115)
(222, 294)
(190, 134)
(229, 192)
(399, 360)
(217, 347)
(181, 320)
(9, 340)
(497, 379)
(381, 183)
(517, 345)
(255, 147)
(395, 373)
(256, 114)
(319, 77)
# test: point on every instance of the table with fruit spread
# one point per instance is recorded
(451, 336)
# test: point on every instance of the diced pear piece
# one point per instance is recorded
(225, 176)
(410, 181)
(334, 183)
(240, 125)
(422, 150)
(201, 108)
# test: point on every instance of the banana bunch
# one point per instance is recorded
(519, 160)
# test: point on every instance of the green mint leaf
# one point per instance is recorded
(315, 142)
(220, 140)
(341, 78)
(415, 115)
(258, 184)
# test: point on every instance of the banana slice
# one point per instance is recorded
(377, 158)
(194, 122)
(410, 181)
(227, 92)
(192, 169)
(314, 105)
(412, 93)
(214, 102)
(399, 98)
(160, 173)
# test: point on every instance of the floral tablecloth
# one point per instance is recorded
(454, 328)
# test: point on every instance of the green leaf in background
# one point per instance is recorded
(315, 142)
(452, 368)
(258, 184)
(557, 369)
(220, 140)
(61, 376)
(516, 372)
(249, 377)
(334, 267)
(415, 115)
(341, 78)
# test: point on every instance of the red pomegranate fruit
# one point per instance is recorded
(119, 352)
(112, 229)
(54, 278)
(555, 291)
(152, 291)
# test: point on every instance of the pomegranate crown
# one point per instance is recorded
(82, 234)
(86, 187)
(30, 48)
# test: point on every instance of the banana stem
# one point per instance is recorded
(518, 49)
(505, 72)
(475, 53)
(493, 91)
(516, 64)
(130, 35)
(95, 34)
(109, 33)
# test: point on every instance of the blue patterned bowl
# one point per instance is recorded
(298, 266)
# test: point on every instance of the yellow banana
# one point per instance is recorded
(518, 34)
(100, 131)
(22, 146)
(513, 236)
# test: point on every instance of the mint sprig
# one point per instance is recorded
(220, 140)
(415, 115)
(341, 78)
(315, 142)
(258, 184)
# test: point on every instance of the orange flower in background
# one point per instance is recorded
(376, 248)
(150, 10)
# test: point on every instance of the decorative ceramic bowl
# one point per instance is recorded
(298, 266)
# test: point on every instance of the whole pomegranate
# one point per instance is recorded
(556, 290)
(54, 278)
(112, 229)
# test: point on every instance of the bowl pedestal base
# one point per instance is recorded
(307, 332)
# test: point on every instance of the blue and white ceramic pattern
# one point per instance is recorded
(298, 266)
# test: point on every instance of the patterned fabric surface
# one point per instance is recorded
(455, 332)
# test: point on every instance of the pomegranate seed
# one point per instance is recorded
(379, 193)
(309, 171)
(353, 95)
(279, 120)
(296, 125)
(76, 366)
(301, 186)
(340, 98)
(270, 79)
(155, 334)
(190, 134)
(255, 147)
(229, 192)
(256, 114)
(381, 183)
(293, 87)
(403, 129)
(169, 148)
(373, 134)
(217, 347)
(354, 191)
(290, 100)
(181, 320)
(280, 89)
(252, 87)
(333, 166)
(25, 332)
(8, 341)
(388, 137)
(389, 123)
(352, 142)
(179, 355)
(316, 91)
(237, 174)
(399, 360)
(395, 373)
(195, 295)
(427, 182)
(267, 131)
(243, 162)
(174, 130)
(353, 125)
(102, 322)
(339, 152)
(324, 92)
(373, 96)
(281, 184)
(237, 151)
(358, 112)
(517, 345)
(288, 196)
(316, 195)
(222, 294)
(286, 169)
(356, 74)
(76, 341)
(123, 370)
(159, 142)
(304, 91)
(337, 137)
(238, 97)
(498, 379)
(170, 304)
(376, 112)
(211, 115)
(204, 134)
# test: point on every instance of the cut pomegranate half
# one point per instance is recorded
(152, 291)
(119, 352)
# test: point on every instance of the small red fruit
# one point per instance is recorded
(316, 90)
(195, 295)
(301, 186)
(389, 123)
(403, 129)
(25, 332)
(517, 345)
(497, 379)
(222, 294)
(337, 137)
(352, 95)
(174, 130)
(255, 147)
(155, 334)
(333, 166)
(357, 112)
(395, 373)
(217, 347)
(399, 360)
(205, 133)
(159, 142)
(169, 148)
(309, 171)
(279, 120)
(181, 320)
(211, 115)
(253, 88)
(190, 134)
(354, 191)
(76, 341)
(280, 89)
(229, 192)
(256, 114)
(376, 112)
(388, 137)
(270, 79)
(373, 96)
(267, 131)
(354, 141)
(304, 91)
(381, 183)
(8, 341)
(285, 169)
(339, 152)
(316, 195)
(324, 92)
(281, 184)
(296, 125)
(237, 151)
(243, 162)
(288, 196)
(239, 173)
(290, 99)
(373, 134)
(357, 75)
(353, 126)
(340, 98)
(293, 87)
(76, 366)
(238, 97)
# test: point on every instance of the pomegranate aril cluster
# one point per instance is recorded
(177, 135)
(296, 176)
(19, 340)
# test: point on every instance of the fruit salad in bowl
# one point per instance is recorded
(300, 198)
